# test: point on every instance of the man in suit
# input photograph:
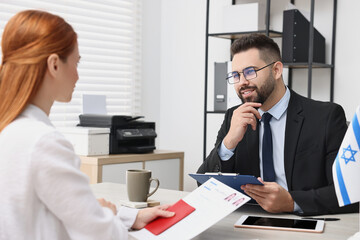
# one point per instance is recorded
(288, 141)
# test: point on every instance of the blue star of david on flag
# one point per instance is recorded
(352, 152)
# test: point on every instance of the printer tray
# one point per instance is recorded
(136, 149)
(133, 134)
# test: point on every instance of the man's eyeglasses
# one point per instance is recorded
(249, 73)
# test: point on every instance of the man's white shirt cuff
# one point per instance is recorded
(224, 153)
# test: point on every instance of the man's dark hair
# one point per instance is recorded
(269, 50)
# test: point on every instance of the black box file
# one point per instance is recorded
(295, 39)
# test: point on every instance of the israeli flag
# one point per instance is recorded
(346, 168)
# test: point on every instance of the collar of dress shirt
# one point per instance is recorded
(280, 107)
(34, 112)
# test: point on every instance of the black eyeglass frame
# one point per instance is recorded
(255, 70)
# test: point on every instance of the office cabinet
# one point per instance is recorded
(167, 166)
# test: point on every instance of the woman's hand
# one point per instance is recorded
(146, 215)
(108, 204)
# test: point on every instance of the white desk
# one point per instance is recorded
(346, 227)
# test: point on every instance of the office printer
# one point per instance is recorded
(127, 134)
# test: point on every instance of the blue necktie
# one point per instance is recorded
(267, 150)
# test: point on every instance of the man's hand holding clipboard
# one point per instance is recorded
(233, 180)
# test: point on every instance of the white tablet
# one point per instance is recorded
(289, 224)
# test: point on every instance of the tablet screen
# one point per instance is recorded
(280, 222)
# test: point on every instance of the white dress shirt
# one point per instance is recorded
(43, 194)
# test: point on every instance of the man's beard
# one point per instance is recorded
(262, 93)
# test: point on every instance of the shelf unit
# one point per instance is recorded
(236, 35)
(273, 34)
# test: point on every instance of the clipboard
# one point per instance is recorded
(232, 180)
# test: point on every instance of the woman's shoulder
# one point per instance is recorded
(27, 127)
(29, 133)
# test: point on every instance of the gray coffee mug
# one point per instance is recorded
(138, 184)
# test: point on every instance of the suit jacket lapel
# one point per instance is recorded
(294, 121)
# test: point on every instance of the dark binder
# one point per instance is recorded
(220, 87)
(295, 39)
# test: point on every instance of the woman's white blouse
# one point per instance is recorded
(43, 194)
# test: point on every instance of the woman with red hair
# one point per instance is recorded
(44, 195)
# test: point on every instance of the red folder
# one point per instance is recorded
(181, 209)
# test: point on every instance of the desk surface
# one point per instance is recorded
(224, 229)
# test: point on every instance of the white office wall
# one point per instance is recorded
(182, 81)
(347, 78)
(151, 49)
(173, 69)
(173, 96)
